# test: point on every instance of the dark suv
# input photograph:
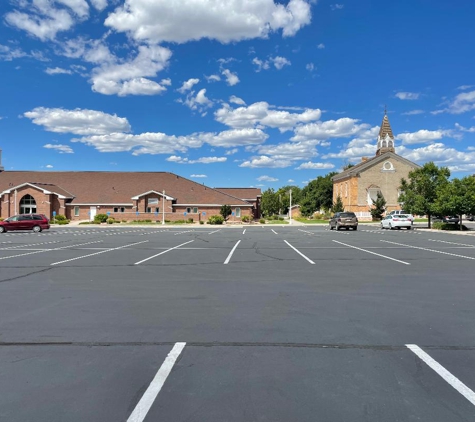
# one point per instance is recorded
(35, 222)
(344, 219)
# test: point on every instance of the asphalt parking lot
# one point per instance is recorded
(258, 323)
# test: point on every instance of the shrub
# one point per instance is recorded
(216, 219)
(190, 220)
(1, 218)
(439, 225)
(62, 222)
(100, 218)
(245, 219)
(60, 217)
(281, 218)
(110, 220)
(84, 222)
(202, 222)
(262, 221)
(124, 221)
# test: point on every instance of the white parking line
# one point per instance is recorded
(97, 253)
(161, 253)
(429, 250)
(214, 231)
(446, 375)
(49, 250)
(373, 253)
(300, 253)
(274, 231)
(244, 231)
(146, 402)
(231, 253)
(451, 243)
(306, 231)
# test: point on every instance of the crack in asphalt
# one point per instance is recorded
(25, 275)
(338, 346)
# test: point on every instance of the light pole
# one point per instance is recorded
(163, 208)
(290, 207)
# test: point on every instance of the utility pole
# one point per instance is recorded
(290, 207)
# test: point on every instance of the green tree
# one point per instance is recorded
(338, 205)
(456, 198)
(378, 208)
(269, 203)
(318, 194)
(419, 193)
(225, 211)
(283, 196)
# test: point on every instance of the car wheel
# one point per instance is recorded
(390, 227)
(36, 229)
(409, 228)
(347, 228)
(355, 228)
(337, 228)
(382, 227)
(331, 227)
(2, 229)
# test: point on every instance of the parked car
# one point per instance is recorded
(35, 222)
(470, 217)
(344, 219)
(396, 221)
(400, 212)
(447, 219)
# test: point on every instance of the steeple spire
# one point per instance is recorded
(385, 136)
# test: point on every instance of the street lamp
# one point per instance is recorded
(163, 208)
(290, 207)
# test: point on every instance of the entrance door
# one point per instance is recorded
(92, 213)
(27, 205)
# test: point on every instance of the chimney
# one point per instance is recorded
(1, 167)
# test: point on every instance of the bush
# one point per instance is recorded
(100, 218)
(60, 217)
(262, 221)
(245, 219)
(110, 220)
(84, 222)
(62, 222)
(216, 219)
(439, 225)
(1, 218)
(202, 222)
(190, 220)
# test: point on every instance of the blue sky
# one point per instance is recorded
(234, 92)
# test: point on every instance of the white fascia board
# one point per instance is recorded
(210, 205)
(137, 197)
(45, 191)
(92, 204)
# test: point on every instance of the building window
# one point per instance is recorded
(149, 209)
(238, 212)
(76, 211)
(119, 209)
(372, 195)
(195, 210)
(188, 210)
(27, 205)
(388, 166)
(152, 201)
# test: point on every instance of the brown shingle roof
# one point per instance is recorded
(94, 187)
(242, 193)
(385, 128)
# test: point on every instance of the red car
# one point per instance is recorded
(35, 222)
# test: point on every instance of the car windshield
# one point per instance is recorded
(402, 216)
(347, 214)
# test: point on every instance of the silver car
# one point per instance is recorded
(396, 221)
(345, 220)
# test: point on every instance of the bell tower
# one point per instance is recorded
(385, 137)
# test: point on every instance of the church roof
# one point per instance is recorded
(385, 128)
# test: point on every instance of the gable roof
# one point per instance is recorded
(96, 187)
(249, 194)
(360, 167)
(46, 188)
(385, 129)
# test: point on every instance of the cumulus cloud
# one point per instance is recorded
(264, 161)
(280, 62)
(99, 4)
(260, 114)
(413, 112)
(288, 151)
(407, 95)
(440, 154)
(58, 70)
(213, 78)
(202, 160)
(236, 100)
(340, 128)
(163, 21)
(267, 179)
(260, 64)
(198, 102)
(8, 54)
(187, 85)
(198, 176)
(337, 6)
(49, 166)
(314, 166)
(231, 78)
(78, 121)
(462, 103)
(310, 67)
(62, 149)
(321, 46)
(422, 136)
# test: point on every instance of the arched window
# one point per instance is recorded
(27, 205)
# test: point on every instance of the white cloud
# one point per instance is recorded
(213, 78)
(159, 21)
(440, 154)
(78, 121)
(231, 78)
(166, 82)
(260, 114)
(280, 62)
(340, 128)
(462, 103)
(465, 87)
(413, 112)
(288, 151)
(321, 46)
(264, 161)
(236, 100)
(314, 166)
(337, 6)
(49, 166)
(62, 149)
(422, 136)
(99, 4)
(130, 78)
(407, 95)
(267, 179)
(234, 138)
(187, 85)
(199, 102)
(310, 67)
(362, 146)
(290, 181)
(198, 176)
(261, 64)
(8, 54)
(202, 160)
(231, 151)
(58, 70)
(465, 129)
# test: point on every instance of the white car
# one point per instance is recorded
(396, 221)
(399, 212)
